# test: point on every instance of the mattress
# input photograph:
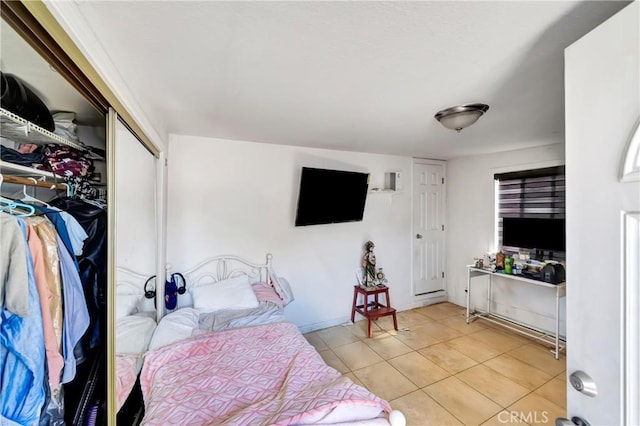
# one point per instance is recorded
(133, 335)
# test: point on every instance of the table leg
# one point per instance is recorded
(557, 352)
(353, 306)
(468, 293)
(489, 296)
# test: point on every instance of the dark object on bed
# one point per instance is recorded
(132, 410)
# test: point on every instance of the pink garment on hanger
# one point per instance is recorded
(55, 361)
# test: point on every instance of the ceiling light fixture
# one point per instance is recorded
(458, 117)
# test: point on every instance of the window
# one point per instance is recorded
(531, 212)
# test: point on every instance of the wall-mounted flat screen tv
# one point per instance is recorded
(534, 233)
(331, 196)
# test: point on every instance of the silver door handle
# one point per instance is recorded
(575, 421)
(418, 236)
(582, 382)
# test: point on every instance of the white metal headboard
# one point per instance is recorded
(130, 282)
(223, 267)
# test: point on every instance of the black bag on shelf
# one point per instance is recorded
(16, 97)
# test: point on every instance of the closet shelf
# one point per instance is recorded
(20, 130)
(23, 171)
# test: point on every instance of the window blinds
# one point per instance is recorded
(538, 193)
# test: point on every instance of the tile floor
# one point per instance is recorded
(438, 370)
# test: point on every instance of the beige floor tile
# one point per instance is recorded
(518, 371)
(439, 331)
(354, 379)
(387, 346)
(337, 336)
(540, 357)
(505, 418)
(316, 341)
(448, 358)
(475, 349)
(415, 338)
(554, 390)
(385, 381)
(358, 329)
(493, 385)
(440, 311)
(562, 376)
(500, 341)
(420, 409)
(332, 360)
(357, 355)
(411, 318)
(537, 410)
(419, 369)
(467, 404)
(384, 323)
(459, 323)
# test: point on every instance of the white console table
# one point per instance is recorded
(560, 290)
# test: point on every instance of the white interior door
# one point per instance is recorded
(602, 103)
(428, 228)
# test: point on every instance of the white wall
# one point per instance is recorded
(602, 104)
(235, 197)
(471, 233)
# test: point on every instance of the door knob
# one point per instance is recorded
(575, 421)
(583, 383)
(418, 236)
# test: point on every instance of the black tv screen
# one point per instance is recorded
(331, 196)
(534, 233)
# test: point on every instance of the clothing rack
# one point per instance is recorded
(33, 182)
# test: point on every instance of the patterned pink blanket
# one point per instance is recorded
(126, 375)
(266, 374)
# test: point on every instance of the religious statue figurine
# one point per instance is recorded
(369, 265)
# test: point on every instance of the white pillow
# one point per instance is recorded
(234, 293)
(126, 304)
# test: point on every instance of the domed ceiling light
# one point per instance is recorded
(458, 117)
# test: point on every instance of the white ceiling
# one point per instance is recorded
(359, 76)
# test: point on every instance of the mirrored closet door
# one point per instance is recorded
(136, 265)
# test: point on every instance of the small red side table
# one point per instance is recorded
(372, 310)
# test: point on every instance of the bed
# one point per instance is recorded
(135, 325)
(223, 359)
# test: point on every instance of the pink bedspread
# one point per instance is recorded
(126, 375)
(266, 374)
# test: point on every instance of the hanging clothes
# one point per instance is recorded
(48, 237)
(13, 267)
(76, 319)
(61, 227)
(22, 355)
(77, 234)
(92, 263)
(52, 350)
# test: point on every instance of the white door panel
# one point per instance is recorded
(428, 228)
(602, 86)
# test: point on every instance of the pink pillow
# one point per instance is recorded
(265, 293)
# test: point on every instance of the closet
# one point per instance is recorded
(58, 184)
(62, 168)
